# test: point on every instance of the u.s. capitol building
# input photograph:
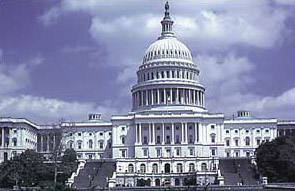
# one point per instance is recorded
(167, 135)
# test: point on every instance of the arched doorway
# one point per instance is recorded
(167, 168)
(158, 182)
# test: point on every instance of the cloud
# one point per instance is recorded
(48, 110)
(50, 16)
(76, 49)
(228, 83)
(18, 77)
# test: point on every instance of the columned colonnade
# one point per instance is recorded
(168, 129)
(165, 96)
(5, 132)
(47, 142)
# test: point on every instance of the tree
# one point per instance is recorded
(68, 164)
(276, 159)
(27, 169)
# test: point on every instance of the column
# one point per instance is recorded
(200, 132)
(136, 133)
(139, 136)
(158, 95)
(152, 97)
(48, 137)
(172, 134)
(146, 97)
(196, 133)
(170, 95)
(182, 132)
(151, 133)
(3, 142)
(141, 98)
(189, 96)
(163, 133)
(165, 96)
(194, 99)
(177, 98)
(54, 144)
(154, 133)
(203, 99)
(185, 132)
(41, 140)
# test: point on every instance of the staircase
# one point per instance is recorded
(237, 171)
(94, 174)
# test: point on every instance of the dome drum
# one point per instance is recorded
(144, 98)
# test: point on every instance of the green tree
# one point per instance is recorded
(276, 159)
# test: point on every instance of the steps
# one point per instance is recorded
(237, 170)
(94, 174)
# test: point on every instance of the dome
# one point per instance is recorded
(167, 47)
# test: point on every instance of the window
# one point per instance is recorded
(15, 131)
(123, 153)
(237, 142)
(167, 139)
(158, 128)
(145, 152)
(158, 152)
(191, 139)
(227, 131)
(167, 128)
(247, 141)
(168, 152)
(101, 133)
(203, 167)
(101, 145)
(227, 142)
(257, 131)
(190, 127)
(123, 140)
(267, 131)
(110, 133)
(90, 134)
(247, 154)
(158, 139)
(212, 127)
(14, 140)
(212, 138)
(247, 131)
(258, 141)
(145, 128)
(145, 140)
(213, 152)
(191, 167)
(179, 168)
(90, 144)
(191, 151)
(142, 168)
(266, 139)
(79, 134)
(155, 168)
(177, 151)
(177, 128)
(80, 145)
(130, 168)
(236, 131)
(227, 154)
(123, 128)
(177, 139)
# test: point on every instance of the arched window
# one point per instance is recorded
(191, 167)
(142, 168)
(247, 141)
(155, 168)
(90, 144)
(179, 168)
(70, 144)
(203, 167)
(158, 182)
(130, 168)
(167, 168)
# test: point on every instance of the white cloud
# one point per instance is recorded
(17, 77)
(75, 49)
(50, 16)
(48, 110)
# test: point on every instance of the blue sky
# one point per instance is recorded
(65, 59)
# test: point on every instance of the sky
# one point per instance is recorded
(66, 59)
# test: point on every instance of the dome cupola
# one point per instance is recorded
(168, 78)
